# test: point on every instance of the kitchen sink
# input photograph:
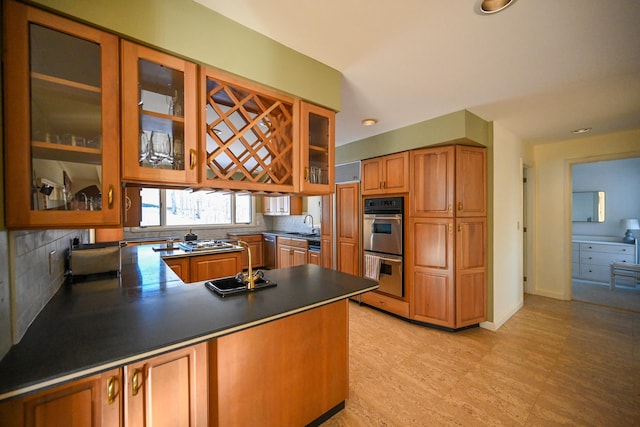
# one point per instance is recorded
(304, 234)
(233, 286)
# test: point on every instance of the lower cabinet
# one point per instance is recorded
(254, 241)
(291, 252)
(386, 303)
(207, 267)
(180, 266)
(168, 390)
(93, 401)
(315, 257)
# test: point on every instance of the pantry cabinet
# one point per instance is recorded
(348, 228)
(168, 390)
(447, 236)
(61, 92)
(159, 117)
(326, 231)
(386, 174)
(317, 141)
(93, 401)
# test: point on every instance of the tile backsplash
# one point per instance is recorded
(38, 259)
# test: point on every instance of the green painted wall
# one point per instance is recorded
(450, 127)
(188, 29)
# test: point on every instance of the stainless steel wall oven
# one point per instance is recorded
(383, 231)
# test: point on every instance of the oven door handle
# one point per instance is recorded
(377, 217)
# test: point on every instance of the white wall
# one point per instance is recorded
(552, 221)
(509, 155)
(620, 180)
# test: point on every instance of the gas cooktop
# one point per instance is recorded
(205, 245)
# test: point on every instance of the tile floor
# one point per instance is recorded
(553, 363)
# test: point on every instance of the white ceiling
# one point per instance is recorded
(541, 68)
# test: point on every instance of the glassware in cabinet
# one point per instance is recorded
(61, 121)
(159, 117)
(317, 149)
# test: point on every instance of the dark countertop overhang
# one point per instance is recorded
(91, 327)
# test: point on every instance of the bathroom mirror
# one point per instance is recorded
(588, 206)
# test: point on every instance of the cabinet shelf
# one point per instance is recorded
(50, 151)
(159, 122)
(64, 87)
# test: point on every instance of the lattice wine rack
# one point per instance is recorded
(249, 138)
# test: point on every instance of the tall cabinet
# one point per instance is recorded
(61, 121)
(447, 237)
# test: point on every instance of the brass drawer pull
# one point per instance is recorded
(111, 390)
(136, 384)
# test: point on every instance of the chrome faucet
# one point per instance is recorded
(250, 278)
(305, 221)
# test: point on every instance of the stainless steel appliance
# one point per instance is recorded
(269, 251)
(383, 231)
(205, 245)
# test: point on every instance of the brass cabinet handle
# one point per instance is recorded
(459, 227)
(450, 228)
(136, 384)
(192, 158)
(459, 206)
(111, 390)
(127, 203)
(450, 207)
(110, 197)
(306, 173)
(379, 184)
(384, 184)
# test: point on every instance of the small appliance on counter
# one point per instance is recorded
(94, 261)
(190, 237)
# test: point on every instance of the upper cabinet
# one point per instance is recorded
(282, 205)
(62, 124)
(249, 137)
(317, 142)
(386, 174)
(159, 117)
(448, 181)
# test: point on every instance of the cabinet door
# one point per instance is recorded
(326, 231)
(347, 228)
(317, 138)
(371, 176)
(180, 266)
(471, 271)
(471, 181)
(395, 169)
(92, 401)
(432, 182)
(315, 257)
(285, 256)
(168, 390)
(299, 257)
(207, 267)
(159, 117)
(431, 265)
(61, 122)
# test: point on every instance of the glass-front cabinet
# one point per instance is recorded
(159, 117)
(317, 141)
(62, 128)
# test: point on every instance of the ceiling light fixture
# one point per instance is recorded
(369, 122)
(581, 130)
(493, 6)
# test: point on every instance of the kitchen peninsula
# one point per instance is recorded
(278, 355)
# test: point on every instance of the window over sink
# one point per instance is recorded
(168, 207)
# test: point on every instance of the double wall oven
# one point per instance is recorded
(383, 231)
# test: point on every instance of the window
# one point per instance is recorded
(193, 208)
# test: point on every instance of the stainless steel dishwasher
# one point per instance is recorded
(270, 253)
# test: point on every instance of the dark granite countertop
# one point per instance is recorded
(91, 327)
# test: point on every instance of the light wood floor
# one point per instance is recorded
(553, 363)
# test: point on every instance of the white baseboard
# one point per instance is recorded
(494, 326)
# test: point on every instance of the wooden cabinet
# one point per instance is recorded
(168, 390)
(448, 181)
(159, 117)
(213, 266)
(317, 142)
(255, 245)
(447, 235)
(291, 252)
(348, 228)
(62, 122)
(386, 303)
(180, 266)
(93, 402)
(386, 174)
(326, 231)
(282, 205)
(315, 257)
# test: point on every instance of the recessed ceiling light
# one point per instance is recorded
(581, 130)
(369, 122)
(493, 6)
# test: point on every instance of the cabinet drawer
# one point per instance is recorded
(602, 258)
(597, 273)
(297, 243)
(613, 249)
(392, 305)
